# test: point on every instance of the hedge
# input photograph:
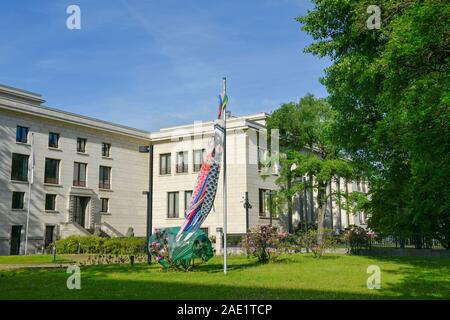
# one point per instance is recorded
(99, 245)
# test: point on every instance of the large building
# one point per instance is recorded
(91, 176)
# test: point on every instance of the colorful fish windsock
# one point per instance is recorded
(205, 189)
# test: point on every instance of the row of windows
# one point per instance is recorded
(53, 141)
(50, 202)
(182, 164)
(19, 172)
(267, 203)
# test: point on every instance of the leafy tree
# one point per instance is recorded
(389, 89)
(309, 151)
(297, 165)
(303, 125)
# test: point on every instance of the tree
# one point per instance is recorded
(389, 89)
(296, 165)
(308, 152)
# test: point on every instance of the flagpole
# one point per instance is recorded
(225, 181)
(30, 182)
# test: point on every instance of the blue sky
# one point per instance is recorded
(150, 64)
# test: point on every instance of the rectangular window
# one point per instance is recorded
(22, 134)
(199, 157)
(51, 171)
(105, 178)
(187, 198)
(53, 140)
(17, 200)
(106, 149)
(164, 163)
(105, 205)
(19, 167)
(79, 174)
(172, 205)
(81, 145)
(49, 236)
(50, 202)
(182, 162)
(267, 203)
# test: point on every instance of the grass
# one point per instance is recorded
(334, 276)
(34, 259)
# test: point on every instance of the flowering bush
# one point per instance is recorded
(356, 238)
(263, 242)
(289, 243)
(159, 248)
(309, 239)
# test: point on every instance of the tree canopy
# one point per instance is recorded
(389, 92)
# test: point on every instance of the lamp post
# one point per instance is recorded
(149, 150)
(247, 206)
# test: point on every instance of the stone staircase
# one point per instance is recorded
(109, 230)
(67, 229)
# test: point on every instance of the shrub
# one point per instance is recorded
(289, 243)
(159, 248)
(263, 242)
(309, 240)
(304, 226)
(99, 245)
(356, 238)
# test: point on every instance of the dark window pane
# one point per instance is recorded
(81, 145)
(22, 134)
(105, 205)
(51, 171)
(50, 202)
(105, 178)
(164, 164)
(53, 140)
(19, 167)
(172, 205)
(79, 174)
(106, 149)
(17, 200)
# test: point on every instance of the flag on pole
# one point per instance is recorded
(205, 189)
(187, 242)
(223, 100)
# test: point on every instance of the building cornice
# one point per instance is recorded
(25, 102)
(68, 117)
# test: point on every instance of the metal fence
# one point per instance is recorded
(399, 242)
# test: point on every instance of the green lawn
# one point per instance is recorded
(334, 276)
(35, 259)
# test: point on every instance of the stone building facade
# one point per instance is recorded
(90, 176)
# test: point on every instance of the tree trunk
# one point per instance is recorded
(321, 201)
(289, 199)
